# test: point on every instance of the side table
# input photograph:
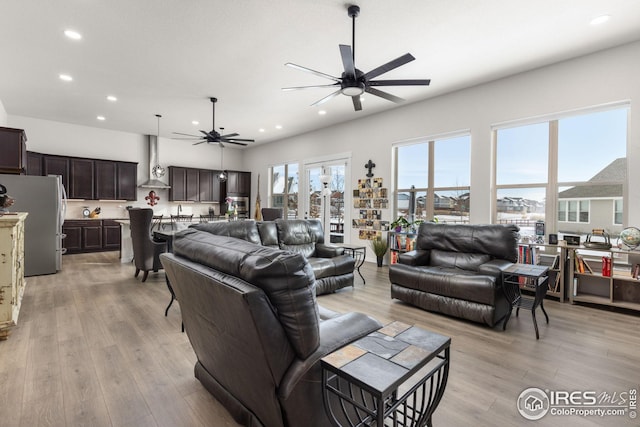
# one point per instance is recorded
(359, 253)
(396, 375)
(525, 276)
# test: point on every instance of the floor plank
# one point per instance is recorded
(93, 348)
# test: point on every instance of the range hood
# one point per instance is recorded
(155, 170)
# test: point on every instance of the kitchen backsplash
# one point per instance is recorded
(115, 210)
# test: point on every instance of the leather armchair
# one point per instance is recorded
(456, 270)
(258, 333)
(146, 251)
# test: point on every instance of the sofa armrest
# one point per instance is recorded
(328, 251)
(335, 333)
(415, 257)
(494, 267)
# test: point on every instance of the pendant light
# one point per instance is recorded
(222, 176)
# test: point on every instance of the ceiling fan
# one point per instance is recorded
(214, 137)
(354, 82)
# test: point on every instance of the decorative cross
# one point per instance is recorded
(370, 165)
(152, 198)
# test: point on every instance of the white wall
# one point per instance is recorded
(49, 137)
(601, 78)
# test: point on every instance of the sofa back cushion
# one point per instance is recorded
(286, 278)
(299, 235)
(268, 234)
(497, 241)
(463, 260)
(245, 230)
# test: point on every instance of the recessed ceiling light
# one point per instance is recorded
(278, 126)
(101, 118)
(112, 98)
(65, 77)
(261, 130)
(322, 112)
(195, 122)
(600, 19)
(74, 35)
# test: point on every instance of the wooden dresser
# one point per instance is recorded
(12, 281)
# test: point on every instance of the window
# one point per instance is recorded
(433, 179)
(284, 189)
(577, 163)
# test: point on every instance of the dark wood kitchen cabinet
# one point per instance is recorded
(81, 178)
(56, 165)
(105, 179)
(91, 235)
(239, 184)
(127, 182)
(13, 151)
(34, 163)
(184, 184)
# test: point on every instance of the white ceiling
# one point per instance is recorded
(170, 56)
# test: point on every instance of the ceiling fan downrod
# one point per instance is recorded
(353, 11)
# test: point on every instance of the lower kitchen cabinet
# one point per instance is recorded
(91, 235)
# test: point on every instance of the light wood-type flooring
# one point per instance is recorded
(93, 348)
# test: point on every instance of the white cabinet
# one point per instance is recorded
(12, 281)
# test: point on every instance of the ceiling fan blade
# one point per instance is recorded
(357, 105)
(237, 143)
(186, 134)
(347, 60)
(200, 142)
(238, 140)
(195, 138)
(384, 95)
(309, 87)
(309, 70)
(407, 57)
(229, 135)
(414, 82)
(326, 98)
(207, 134)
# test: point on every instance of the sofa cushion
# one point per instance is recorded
(299, 236)
(245, 230)
(328, 267)
(286, 278)
(448, 282)
(499, 241)
(268, 234)
(465, 261)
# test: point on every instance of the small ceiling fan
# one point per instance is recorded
(354, 82)
(214, 137)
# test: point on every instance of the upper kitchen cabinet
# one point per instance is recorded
(105, 179)
(13, 151)
(56, 165)
(238, 184)
(185, 184)
(127, 181)
(34, 163)
(81, 178)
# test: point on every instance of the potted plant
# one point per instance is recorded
(380, 247)
(401, 223)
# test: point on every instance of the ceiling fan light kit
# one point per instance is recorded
(354, 82)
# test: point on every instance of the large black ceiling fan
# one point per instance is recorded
(214, 137)
(354, 82)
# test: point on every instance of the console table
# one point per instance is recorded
(395, 375)
(523, 276)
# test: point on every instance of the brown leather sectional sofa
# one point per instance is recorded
(457, 270)
(251, 315)
(332, 269)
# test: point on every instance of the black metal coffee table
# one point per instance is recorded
(527, 277)
(395, 376)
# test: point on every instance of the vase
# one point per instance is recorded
(379, 259)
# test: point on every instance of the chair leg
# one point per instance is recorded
(145, 275)
(544, 311)
(166, 311)
(137, 272)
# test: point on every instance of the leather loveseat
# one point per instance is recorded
(251, 315)
(457, 270)
(332, 269)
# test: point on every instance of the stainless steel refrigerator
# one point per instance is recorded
(44, 198)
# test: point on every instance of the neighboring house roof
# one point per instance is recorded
(615, 171)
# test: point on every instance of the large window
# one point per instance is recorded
(433, 179)
(284, 189)
(569, 172)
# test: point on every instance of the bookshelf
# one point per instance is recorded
(400, 242)
(592, 283)
(552, 256)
